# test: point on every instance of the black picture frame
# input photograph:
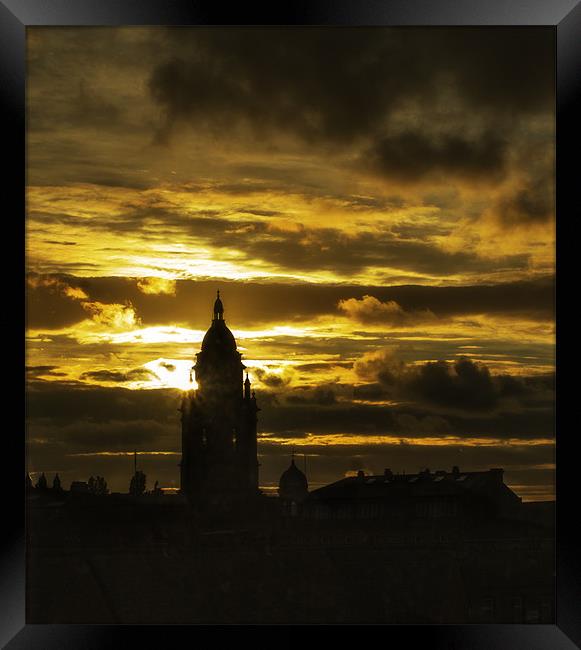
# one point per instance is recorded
(565, 17)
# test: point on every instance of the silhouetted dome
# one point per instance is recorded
(219, 338)
(293, 484)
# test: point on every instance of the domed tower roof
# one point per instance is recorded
(293, 484)
(218, 337)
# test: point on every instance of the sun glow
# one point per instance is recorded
(172, 373)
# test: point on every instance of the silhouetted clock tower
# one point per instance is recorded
(219, 461)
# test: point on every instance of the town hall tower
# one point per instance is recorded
(219, 465)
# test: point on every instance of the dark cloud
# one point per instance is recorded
(363, 419)
(532, 202)
(332, 250)
(322, 409)
(92, 109)
(303, 249)
(427, 425)
(73, 71)
(59, 403)
(270, 379)
(48, 305)
(33, 372)
(70, 419)
(252, 303)
(338, 84)
(406, 103)
(136, 374)
(314, 367)
(79, 436)
(321, 396)
(60, 243)
(373, 392)
(462, 385)
(411, 156)
(346, 88)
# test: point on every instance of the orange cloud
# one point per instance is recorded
(76, 293)
(155, 286)
(114, 316)
(371, 310)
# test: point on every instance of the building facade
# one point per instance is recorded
(408, 497)
(219, 466)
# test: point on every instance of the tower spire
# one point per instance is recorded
(218, 307)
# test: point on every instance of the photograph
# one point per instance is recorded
(290, 325)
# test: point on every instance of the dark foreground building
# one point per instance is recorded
(405, 497)
(433, 547)
(150, 560)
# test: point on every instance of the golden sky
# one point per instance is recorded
(375, 205)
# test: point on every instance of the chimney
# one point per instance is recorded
(388, 473)
(455, 471)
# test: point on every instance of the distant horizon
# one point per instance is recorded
(273, 488)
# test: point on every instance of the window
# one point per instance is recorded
(546, 611)
(532, 614)
(487, 610)
(517, 609)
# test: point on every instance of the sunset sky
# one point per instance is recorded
(376, 207)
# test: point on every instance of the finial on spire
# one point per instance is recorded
(247, 387)
(218, 307)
